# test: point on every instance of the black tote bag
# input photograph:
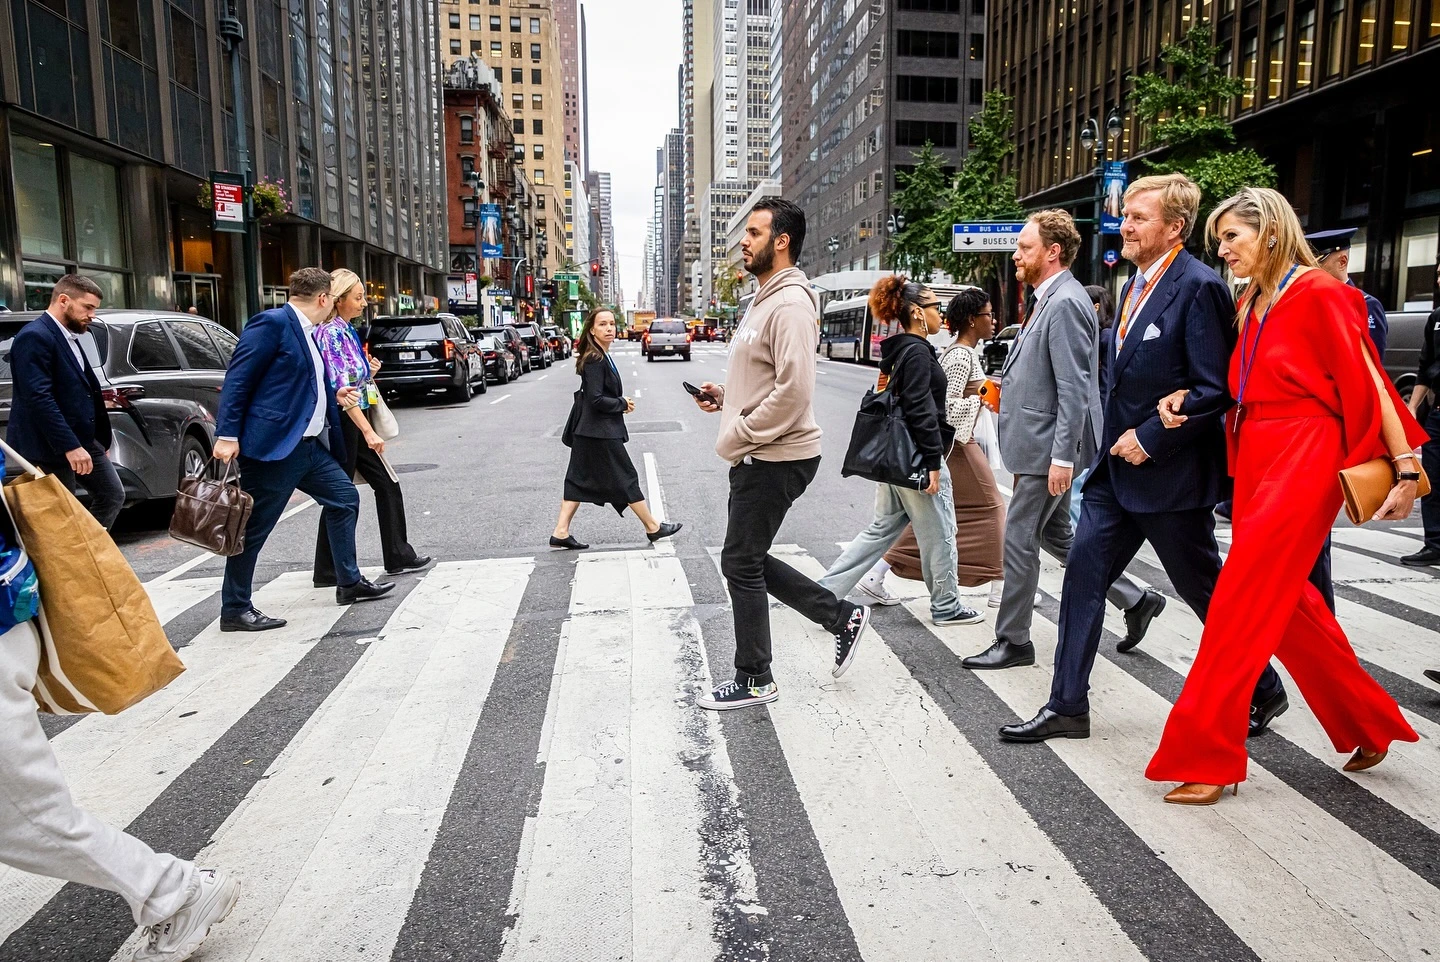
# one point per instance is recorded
(567, 436)
(881, 448)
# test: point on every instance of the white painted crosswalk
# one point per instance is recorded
(503, 762)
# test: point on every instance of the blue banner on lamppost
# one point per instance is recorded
(1117, 176)
(490, 229)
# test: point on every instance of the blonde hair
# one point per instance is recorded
(1281, 238)
(342, 282)
(1058, 227)
(1179, 198)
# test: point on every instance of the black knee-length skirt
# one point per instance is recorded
(601, 472)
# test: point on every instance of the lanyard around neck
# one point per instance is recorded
(1132, 304)
(1247, 360)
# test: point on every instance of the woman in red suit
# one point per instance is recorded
(1311, 401)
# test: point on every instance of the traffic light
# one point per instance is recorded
(594, 268)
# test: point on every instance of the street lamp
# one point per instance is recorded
(232, 31)
(833, 246)
(897, 219)
(1091, 140)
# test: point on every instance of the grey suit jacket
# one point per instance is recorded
(1050, 385)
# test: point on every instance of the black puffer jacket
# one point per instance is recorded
(915, 375)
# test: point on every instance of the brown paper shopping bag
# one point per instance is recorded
(103, 647)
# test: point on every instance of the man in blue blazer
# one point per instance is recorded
(57, 416)
(280, 418)
(1150, 483)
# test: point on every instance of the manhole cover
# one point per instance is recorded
(412, 468)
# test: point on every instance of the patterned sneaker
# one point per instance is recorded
(176, 938)
(872, 589)
(733, 695)
(962, 615)
(848, 639)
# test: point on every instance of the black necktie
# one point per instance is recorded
(1029, 306)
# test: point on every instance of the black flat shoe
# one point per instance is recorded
(1137, 619)
(1047, 724)
(1433, 675)
(1420, 559)
(419, 564)
(666, 529)
(251, 620)
(362, 590)
(1263, 714)
(568, 542)
(1002, 654)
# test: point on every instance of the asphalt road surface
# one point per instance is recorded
(501, 760)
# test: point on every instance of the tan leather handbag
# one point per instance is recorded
(1366, 486)
(212, 514)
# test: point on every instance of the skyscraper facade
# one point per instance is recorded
(609, 288)
(697, 71)
(568, 16)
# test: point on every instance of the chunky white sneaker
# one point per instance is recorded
(997, 589)
(176, 938)
(872, 590)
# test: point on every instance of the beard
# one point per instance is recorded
(763, 260)
(74, 320)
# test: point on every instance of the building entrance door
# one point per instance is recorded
(200, 291)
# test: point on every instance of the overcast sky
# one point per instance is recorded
(634, 49)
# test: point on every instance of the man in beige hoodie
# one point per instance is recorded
(769, 437)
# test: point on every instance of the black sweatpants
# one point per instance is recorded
(389, 507)
(761, 492)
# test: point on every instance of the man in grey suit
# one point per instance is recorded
(1050, 421)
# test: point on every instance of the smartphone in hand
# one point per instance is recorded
(696, 392)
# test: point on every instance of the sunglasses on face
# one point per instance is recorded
(926, 307)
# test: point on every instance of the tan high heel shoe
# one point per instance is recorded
(1363, 759)
(1198, 793)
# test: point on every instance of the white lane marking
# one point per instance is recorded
(171, 598)
(366, 782)
(205, 556)
(541, 377)
(656, 494)
(499, 399)
(116, 765)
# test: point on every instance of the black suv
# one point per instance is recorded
(419, 353)
(538, 344)
(512, 340)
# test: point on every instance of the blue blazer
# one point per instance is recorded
(57, 406)
(269, 392)
(1182, 338)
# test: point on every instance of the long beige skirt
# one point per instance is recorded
(979, 523)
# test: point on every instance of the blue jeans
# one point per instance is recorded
(933, 517)
(311, 469)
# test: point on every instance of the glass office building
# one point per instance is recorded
(113, 112)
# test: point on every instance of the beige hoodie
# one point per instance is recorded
(771, 384)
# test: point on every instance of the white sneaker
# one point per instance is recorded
(176, 938)
(1039, 599)
(872, 591)
(997, 589)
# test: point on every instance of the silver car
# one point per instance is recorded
(160, 374)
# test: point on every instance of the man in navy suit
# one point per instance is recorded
(57, 417)
(1150, 483)
(280, 418)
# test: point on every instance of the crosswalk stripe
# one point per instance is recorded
(173, 598)
(349, 808)
(118, 764)
(953, 860)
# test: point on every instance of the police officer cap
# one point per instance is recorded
(1327, 242)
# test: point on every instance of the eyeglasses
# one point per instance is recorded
(926, 307)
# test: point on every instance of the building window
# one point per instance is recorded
(540, 202)
(517, 76)
(977, 91)
(454, 21)
(455, 46)
(519, 125)
(519, 151)
(515, 49)
(977, 46)
(1305, 49)
(474, 21)
(467, 166)
(494, 23)
(534, 24)
(477, 46)
(1275, 67)
(537, 101)
(1249, 62)
(934, 6)
(1401, 21)
(1334, 38)
(1365, 35)
(917, 133)
(535, 52)
(927, 43)
(927, 90)
(514, 24)
(539, 151)
(517, 101)
(496, 49)
(539, 126)
(467, 129)
(539, 176)
(535, 75)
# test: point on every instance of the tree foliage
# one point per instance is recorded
(1184, 111)
(728, 282)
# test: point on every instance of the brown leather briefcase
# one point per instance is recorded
(212, 514)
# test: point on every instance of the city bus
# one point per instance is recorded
(849, 331)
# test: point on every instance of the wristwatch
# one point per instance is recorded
(1407, 476)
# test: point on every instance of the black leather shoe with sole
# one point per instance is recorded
(362, 590)
(1002, 654)
(1047, 724)
(1263, 714)
(251, 620)
(1137, 619)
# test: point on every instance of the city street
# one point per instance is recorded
(501, 760)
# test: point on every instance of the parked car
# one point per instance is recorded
(560, 342)
(666, 336)
(160, 375)
(419, 353)
(1403, 346)
(512, 340)
(997, 349)
(501, 364)
(538, 344)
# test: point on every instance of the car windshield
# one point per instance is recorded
(667, 327)
(487, 343)
(390, 332)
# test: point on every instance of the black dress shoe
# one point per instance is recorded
(1138, 618)
(1433, 675)
(418, 564)
(666, 529)
(1047, 724)
(251, 620)
(1425, 556)
(568, 542)
(1002, 654)
(1225, 509)
(362, 590)
(1263, 714)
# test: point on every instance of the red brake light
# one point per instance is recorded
(449, 349)
(121, 397)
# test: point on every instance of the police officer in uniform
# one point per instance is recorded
(1332, 250)
(1427, 385)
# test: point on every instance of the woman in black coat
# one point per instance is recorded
(600, 469)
